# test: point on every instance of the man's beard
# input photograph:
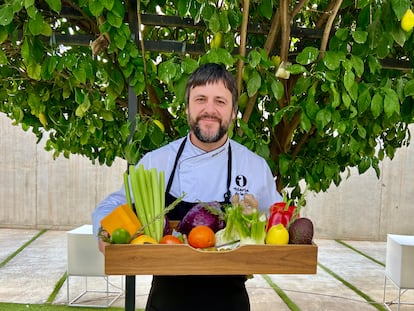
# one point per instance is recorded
(205, 137)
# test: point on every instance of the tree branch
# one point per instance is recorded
(270, 40)
(285, 26)
(328, 28)
(243, 39)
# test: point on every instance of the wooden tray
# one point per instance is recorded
(167, 259)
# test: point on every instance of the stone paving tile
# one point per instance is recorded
(30, 277)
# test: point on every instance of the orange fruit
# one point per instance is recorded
(170, 239)
(201, 237)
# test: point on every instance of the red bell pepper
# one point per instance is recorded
(280, 213)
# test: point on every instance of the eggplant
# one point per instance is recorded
(207, 214)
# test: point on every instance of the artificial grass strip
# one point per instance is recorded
(57, 288)
(360, 252)
(48, 307)
(14, 254)
(377, 305)
(291, 305)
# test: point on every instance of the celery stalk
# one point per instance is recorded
(157, 208)
(127, 190)
(135, 177)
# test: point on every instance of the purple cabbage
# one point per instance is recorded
(207, 214)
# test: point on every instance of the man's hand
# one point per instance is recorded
(102, 240)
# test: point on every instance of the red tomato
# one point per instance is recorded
(170, 239)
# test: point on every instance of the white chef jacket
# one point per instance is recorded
(202, 176)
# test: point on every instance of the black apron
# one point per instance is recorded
(197, 292)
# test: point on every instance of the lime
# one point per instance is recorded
(277, 234)
(120, 236)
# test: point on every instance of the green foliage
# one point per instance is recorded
(344, 104)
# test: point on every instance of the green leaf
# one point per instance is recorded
(329, 170)
(214, 23)
(377, 105)
(332, 60)
(254, 58)
(409, 88)
(3, 58)
(364, 165)
(362, 132)
(224, 21)
(34, 71)
(391, 103)
(3, 34)
(307, 56)
(254, 83)
(80, 74)
(266, 9)
(6, 15)
(36, 24)
(354, 145)
(116, 84)
(305, 123)
(359, 36)
(167, 71)
(311, 108)
(296, 69)
(114, 19)
(107, 115)
(120, 40)
(277, 88)
(336, 96)
(283, 164)
(217, 56)
(323, 117)
(55, 5)
(189, 65)
(373, 64)
(358, 65)
(118, 9)
(364, 100)
(96, 7)
(400, 7)
(349, 81)
(83, 108)
(108, 4)
(183, 7)
(346, 99)
(342, 34)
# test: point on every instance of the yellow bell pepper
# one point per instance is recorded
(121, 217)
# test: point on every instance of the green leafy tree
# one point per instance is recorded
(324, 85)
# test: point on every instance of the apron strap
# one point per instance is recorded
(227, 194)
(180, 151)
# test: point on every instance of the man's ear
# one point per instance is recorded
(234, 115)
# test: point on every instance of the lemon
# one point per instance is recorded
(277, 234)
(143, 239)
(120, 236)
(243, 100)
(217, 41)
(159, 124)
(407, 21)
(276, 60)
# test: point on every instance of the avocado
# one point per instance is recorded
(301, 231)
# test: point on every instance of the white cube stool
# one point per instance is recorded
(399, 265)
(86, 261)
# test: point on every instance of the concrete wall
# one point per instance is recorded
(39, 192)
